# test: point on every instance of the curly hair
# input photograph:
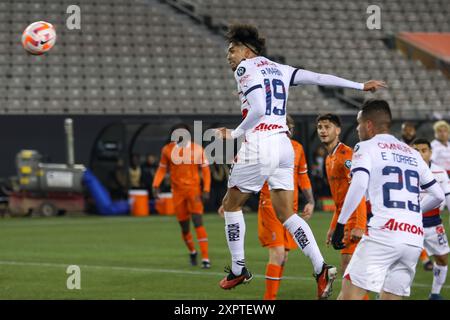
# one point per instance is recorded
(248, 36)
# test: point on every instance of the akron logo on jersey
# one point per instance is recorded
(240, 71)
(348, 164)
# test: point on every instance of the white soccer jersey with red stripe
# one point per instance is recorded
(396, 174)
(274, 79)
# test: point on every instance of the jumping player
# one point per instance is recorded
(184, 159)
(392, 173)
(267, 153)
(338, 164)
(435, 242)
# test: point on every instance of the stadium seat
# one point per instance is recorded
(154, 53)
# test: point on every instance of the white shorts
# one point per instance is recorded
(375, 266)
(435, 242)
(268, 158)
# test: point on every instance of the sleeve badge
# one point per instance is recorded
(240, 71)
(348, 164)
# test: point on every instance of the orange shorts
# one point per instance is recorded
(271, 232)
(187, 202)
(350, 246)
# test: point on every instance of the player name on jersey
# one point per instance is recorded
(396, 174)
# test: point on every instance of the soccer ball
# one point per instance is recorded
(39, 37)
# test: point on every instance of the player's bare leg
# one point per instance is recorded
(277, 255)
(282, 202)
(345, 259)
(351, 292)
(235, 233)
(389, 296)
(234, 200)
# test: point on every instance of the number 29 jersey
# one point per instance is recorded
(275, 79)
(396, 174)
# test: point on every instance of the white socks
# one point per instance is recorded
(304, 238)
(439, 276)
(235, 233)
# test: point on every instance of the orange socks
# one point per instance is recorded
(188, 241)
(202, 238)
(273, 278)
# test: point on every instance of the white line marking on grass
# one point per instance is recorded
(81, 221)
(157, 270)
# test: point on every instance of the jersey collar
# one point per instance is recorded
(335, 148)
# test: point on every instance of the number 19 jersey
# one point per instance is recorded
(396, 174)
(274, 79)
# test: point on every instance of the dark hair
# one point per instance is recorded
(378, 112)
(408, 124)
(180, 126)
(289, 119)
(333, 118)
(176, 127)
(247, 35)
(422, 141)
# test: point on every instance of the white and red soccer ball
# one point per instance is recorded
(39, 37)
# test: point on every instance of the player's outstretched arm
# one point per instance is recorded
(374, 85)
(302, 76)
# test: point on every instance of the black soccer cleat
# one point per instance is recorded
(193, 258)
(206, 264)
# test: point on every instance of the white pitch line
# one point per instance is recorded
(172, 271)
(74, 222)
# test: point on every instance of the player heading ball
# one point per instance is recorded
(267, 154)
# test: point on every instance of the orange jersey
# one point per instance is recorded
(338, 165)
(183, 164)
(301, 178)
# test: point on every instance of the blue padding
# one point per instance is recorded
(103, 202)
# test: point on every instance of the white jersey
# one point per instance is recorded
(274, 79)
(441, 154)
(396, 174)
(441, 177)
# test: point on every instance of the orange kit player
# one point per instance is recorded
(338, 163)
(271, 232)
(184, 159)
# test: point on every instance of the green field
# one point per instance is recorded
(145, 258)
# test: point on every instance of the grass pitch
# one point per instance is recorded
(145, 258)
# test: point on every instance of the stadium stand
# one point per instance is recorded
(332, 37)
(144, 57)
(135, 57)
